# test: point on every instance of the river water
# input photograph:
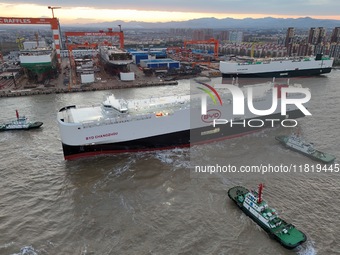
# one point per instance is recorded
(150, 203)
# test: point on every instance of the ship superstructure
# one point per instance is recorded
(115, 60)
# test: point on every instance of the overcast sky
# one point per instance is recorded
(165, 10)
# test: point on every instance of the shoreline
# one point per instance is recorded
(56, 90)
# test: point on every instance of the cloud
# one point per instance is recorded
(269, 7)
(175, 10)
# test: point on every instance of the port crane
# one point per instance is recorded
(52, 8)
(209, 41)
(253, 45)
(37, 39)
(20, 41)
(101, 33)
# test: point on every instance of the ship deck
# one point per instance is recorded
(139, 108)
(83, 115)
(294, 237)
(136, 108)
(236, 191)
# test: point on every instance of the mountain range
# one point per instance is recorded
(263, 23)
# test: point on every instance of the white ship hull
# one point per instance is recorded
(276, 68)
(86, 131)
(36, 59)
(41, 63)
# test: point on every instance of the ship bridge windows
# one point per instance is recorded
(109, 107)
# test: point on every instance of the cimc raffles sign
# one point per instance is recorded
(26, 21)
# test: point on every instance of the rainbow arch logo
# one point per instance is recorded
(213, 94)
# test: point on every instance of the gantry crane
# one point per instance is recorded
(100, 33)
(209, 41)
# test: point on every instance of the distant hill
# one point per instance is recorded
(265, 23)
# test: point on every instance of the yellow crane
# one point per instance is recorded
(37, 38)
(252, 50)
(20, 41)
(253, 47)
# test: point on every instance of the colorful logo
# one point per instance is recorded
(209, 92)
(211, 115)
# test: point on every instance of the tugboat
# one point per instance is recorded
(295, 142)
(252, 204)
(21, 123)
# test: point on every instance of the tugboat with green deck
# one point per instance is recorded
(252, 204)
(296, 143)
(21, 123)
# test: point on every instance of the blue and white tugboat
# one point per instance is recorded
(21, 123)
(296, 143)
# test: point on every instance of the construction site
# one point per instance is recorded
(81, 61)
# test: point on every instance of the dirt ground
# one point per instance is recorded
(103, 81)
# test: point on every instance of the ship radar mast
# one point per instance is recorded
(259, 200)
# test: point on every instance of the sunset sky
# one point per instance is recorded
(86, 11)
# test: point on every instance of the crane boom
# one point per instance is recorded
(100, 33)
(209, 41)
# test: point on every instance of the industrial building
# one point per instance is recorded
(166, 63)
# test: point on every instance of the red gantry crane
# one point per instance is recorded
(210, 41)
(100, 33)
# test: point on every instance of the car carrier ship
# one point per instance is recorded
(119, 125)
(276, 67)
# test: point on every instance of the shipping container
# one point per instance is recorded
(174, 65)
(138, 57)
